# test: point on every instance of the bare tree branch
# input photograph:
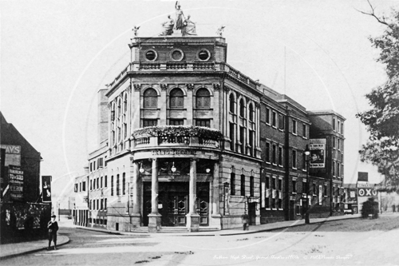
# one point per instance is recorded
(372, 13)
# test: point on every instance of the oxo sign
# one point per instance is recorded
(366, 192)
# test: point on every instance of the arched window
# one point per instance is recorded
(232, 109)
(119, 107)
(150, 98)
(113, 112)
(203, 98)
(251, 113)
(125, 103)
(242, 108)
(176, 98)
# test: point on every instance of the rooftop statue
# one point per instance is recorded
(167, 27)
(185, 25)
(189, 28)
(179, 19)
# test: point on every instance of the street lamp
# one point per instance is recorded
(141, 170)
(306, 201)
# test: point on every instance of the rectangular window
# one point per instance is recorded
(101, 182)
(232, 184)
(267, 152)
(105, 203)
(274, 119)
(105, 181)
(333, 142)
(280, 184)
(203, 122)
(123, 183)
(251, 186)
(176, 122)
(242, 185)
(333, 168)
(76, 188)
(273, 183)
(112, 185)
(339, 126)
(280, 121)
(338, 169)
(98, 182)
(294, 127)
(91, 184)
(333, 124)
(280, 156)
(273, 203)
(84, 186)
(150, 122)
(294, 186)
(342, 128)
(267, 182)
(268, 116)
(242, 139)
(338, 144)
(102, 204)
(232, 127)
(117, 185)
(294, 159)
(304, 131)
(274, 155)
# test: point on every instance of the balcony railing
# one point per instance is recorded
(176, 136)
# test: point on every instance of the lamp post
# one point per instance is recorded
(306, 202)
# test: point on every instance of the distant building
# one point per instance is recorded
(21, 156)
(80, 209)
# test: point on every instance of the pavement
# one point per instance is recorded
(21, 248)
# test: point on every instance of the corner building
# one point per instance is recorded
(183, 143)
(186, 140)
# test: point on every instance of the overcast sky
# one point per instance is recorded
(56, 55)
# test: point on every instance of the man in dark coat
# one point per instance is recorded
(52, 227)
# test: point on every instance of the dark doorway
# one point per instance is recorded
(173, 203)
(292, 210)
(252, 213)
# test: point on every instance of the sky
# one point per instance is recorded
(56, 55)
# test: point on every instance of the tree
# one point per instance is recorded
(382, 121)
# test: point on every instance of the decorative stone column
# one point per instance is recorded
(215, 220)
(193, 216)
(154, 218)
(135, 216)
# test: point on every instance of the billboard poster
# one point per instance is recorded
(16, 182)
(12, 154)
(46, 188)
(317, 149)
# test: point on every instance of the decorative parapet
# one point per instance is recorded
(176, 136)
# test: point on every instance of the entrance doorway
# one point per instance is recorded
(252, 213)
(173, 202)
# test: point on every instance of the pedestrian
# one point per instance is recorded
(52, 227)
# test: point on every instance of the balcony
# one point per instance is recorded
(176, 136)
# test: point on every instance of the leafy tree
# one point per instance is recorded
(382, 121)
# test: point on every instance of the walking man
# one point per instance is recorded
(52, 227)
